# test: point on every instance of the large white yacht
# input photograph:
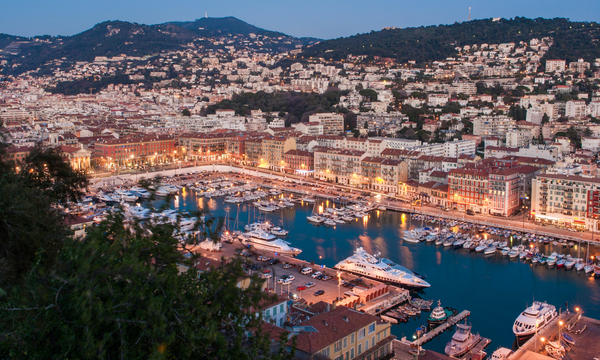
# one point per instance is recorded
(540, 313)
(363, 263)
(262, 240)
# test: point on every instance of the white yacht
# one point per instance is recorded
(501, 354)
(462, 341)
(540, 313)
(262, 240)
(363, 263)
(410, 236)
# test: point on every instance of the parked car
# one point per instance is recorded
(267, 276)
(306, 271)
(282, 279)
(315, 275)
(274, 261)
(266, 271)
(325, 277)
(287, 282)
(287, 266)
(470, 212)
(320, 292)
(309, 285)
(291, 277)
(300, 288)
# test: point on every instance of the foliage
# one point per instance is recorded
(369, 94)
(518, 113)
(296, 104)
(571, 40)
(32, 228)
(186, 112)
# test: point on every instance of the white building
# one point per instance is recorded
(310, 128)
(539, 151)
(333, 124)
(555, 65)
(591, 143)
(535, 115)
(491, 125)
(518, 138)
(437, 99)
(575, 108)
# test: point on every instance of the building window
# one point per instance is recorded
(268, 313)
(325, 352)
(359, 349)
(281, 308)
(352, 353)
(372, 328)
(338, 346)
(361, 334)
(274, 310)
(352, 339)
(345, 342)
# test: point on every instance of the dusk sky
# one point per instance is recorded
(315, 18)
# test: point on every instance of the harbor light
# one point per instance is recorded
(561, 323)
(577, 309)
(543, 339)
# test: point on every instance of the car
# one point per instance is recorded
(266, 258)
(301, 287)
(320, 292)
(266, 271)
(255, 267)
(291, 277)
(287, 266)
(287, 282)
(319, 277)
(470, 212)
(309, 285)
(282, 279)
(274, 262)
(325, 277)
(260, 258)
(315, 275)
(267, 276)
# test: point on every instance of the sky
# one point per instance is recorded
(324, 19)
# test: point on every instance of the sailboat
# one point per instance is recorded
(314, 218)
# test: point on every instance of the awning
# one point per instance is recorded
(578, 222)
(263, 166)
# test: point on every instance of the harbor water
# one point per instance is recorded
(495, 289)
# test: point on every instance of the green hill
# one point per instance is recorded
(572, 40)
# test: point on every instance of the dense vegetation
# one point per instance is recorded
(294, 106)
(117, 293)
(572, 39)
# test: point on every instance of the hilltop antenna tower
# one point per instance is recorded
(206, 14)
(469, 13)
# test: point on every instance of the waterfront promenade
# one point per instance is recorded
(325, 189)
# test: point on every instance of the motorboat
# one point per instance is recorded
(532, 319)
(314, 219)
(381, 269)
(458, 243)
(262, 240)
(490, 250)
(462, 341)
(410, 236)
(329, 222)
(439, 315)
(162, 192)
(481, 248)
(501, 354)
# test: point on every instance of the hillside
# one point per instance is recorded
(224, 27)
(112, 38)
(572, 40)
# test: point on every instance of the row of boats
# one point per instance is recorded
(490, 246)
(342, 215)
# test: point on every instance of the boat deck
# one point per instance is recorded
(453, 320)
(473, 353)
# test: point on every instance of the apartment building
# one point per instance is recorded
(333, 124)
(203, 147)
(468, 189)
(504, 192)
(343, 333)
(566, 200)
(338, 165)
(381, 174)
(273, 149)
(135, 150)
(518, 138)
(496, 125)
(301, 162)
(555, 65)
(575, 108)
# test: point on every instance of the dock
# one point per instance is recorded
(473, 353)
(453, 320)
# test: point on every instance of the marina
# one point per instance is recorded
(450, 271)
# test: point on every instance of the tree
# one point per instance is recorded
(349, 121)
(32, 229)
(545, 119)
(588, 132)
(366, 126)
(119, 293)
(185, 112)
(369, 94)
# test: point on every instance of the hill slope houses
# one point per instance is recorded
(112, 38)
(572, 40)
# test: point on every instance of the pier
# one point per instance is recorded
(453, 320)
